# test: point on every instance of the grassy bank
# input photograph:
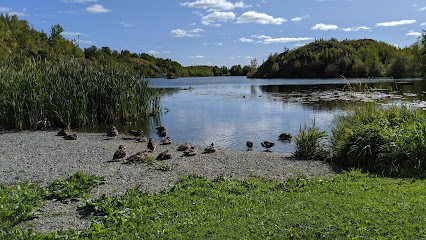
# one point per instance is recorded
(36, 94)
(347, 206)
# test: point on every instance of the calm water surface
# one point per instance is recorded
(231, 110)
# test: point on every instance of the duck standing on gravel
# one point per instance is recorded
(112, 132)
(120, 153)
(210, 149)
(71, 137)
(267, 145)
(151, 144)
(136, 133)
(249, 144)
(63, 132)
(166, 141)
(164, 155)
(184, 147)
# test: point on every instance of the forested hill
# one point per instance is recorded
(349, 58)
(18, 39)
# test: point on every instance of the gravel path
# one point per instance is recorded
(42, 156)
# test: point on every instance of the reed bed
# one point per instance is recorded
(35, 94)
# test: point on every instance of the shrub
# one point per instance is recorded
(389, 141)
(308, 143)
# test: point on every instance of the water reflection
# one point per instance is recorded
(231, 110)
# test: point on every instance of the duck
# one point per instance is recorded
(249, 144)
(166, 141)
(285, 137)
(112, 132)
(71, 137)
(164, 155)
(136, 133)
(142, 139)
(151, 144)
(267, 144)
(63, 132)
(184, 147)
(190, 152)
(120, 153)
(210, 149)
(161, 131)
(137, 157)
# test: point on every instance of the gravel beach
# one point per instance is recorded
(41, 156)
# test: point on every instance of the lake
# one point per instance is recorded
(231, 110)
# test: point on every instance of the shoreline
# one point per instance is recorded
(41, 157)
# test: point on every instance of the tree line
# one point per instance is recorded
(350, 58)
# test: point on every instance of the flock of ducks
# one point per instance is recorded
(187, 149)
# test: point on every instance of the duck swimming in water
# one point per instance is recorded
(285, 137)
(161, 131)
(249, 144)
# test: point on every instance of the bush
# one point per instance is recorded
(308, 143)
(391, 141)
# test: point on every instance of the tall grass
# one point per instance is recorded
(308, 143)
(70, 93)
(389, 141)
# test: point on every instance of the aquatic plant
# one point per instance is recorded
(70, 93)
(389, 141)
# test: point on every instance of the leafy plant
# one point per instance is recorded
(73, 187)
(163, 167)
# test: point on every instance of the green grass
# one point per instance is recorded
(388, 141)
(72, 188)
(36, 94)
(353, 205)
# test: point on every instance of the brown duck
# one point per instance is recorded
(164, 155)
(210, 149)
(249, 144)
(166, 141)
(184, 147)
(151, 144)
(137, 157)
(267, 144)
(71, 137)
(190, 152)
(161, 131)
(120, 153)
(142, 139)
(112, 132)
(285, 137)
(63, 132)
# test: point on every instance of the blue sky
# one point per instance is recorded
(222, 32)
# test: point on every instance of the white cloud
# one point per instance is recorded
(179, 33)
(417, 34)
(395, 23)
(423, 24)
(296, 19)
(97, 8)
(422, 9)
(86, 42)
(72, 34)
(324, 27)
(269, 40)
(3, 9)
(356, 29)
(245, 40)
(217, 16)
(126, 24)
(219, 44)
(198, 56)
(152, 52)
(215, 4)
(262, 18)
(19, 14)
(79, 1)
